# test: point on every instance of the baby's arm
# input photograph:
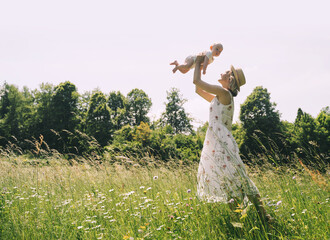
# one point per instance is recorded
(206, 62)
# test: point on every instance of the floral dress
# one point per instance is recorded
(221, 173)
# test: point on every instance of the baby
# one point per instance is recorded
(189, 63)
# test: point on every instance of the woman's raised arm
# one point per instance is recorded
(207, 96)
(213, 89)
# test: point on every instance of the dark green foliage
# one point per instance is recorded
(189, 146)
(239, 134)
(64, 106)
(64, 118)
(12, 110)
(311, 138)
(304, 128)
(323, 130)
(44, 111)
(4, 100)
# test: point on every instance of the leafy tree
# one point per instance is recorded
(311, 136)
(44, 111)
(83, 106)
(12, 102)
(137, 107)
(305, 138)
(98, 122)
(260, 121)
(175, 115)
(304, 128)
(4, 100)
(323, 130)
(29, 116)
(116, 103)
(64, 115)
(65, 107)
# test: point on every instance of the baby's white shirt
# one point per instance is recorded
(208, 54)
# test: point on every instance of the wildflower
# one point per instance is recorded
(243, 216)
(141, 187)
(143, 227)
(171, 216)
(278, 203)
(254, 228)
(111, 190)
(189, 191)
(80, 227)
(160, 227)
(155, 177)
(237, 224)
(231, 200)
(294, 177)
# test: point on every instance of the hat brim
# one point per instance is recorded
(235, 76)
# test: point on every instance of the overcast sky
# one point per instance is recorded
(282, 45)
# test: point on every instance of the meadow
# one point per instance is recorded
(52, 199)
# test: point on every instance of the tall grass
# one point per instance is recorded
(79, 201)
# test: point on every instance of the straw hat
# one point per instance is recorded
(239, 76)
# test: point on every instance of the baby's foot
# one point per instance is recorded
(174, 69)
(175, 63)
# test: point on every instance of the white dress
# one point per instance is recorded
(221, 173)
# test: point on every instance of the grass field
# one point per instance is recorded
(59, 201)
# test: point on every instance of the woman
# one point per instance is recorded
(221, 173)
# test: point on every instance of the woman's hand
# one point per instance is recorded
(199, 59)
(197, 72)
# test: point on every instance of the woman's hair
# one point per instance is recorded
(233, 86)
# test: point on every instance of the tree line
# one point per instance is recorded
(94, 122)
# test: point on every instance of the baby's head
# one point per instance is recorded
(216, 49)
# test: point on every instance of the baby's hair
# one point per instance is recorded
(216, 44)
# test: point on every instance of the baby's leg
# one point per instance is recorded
(184, 68)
